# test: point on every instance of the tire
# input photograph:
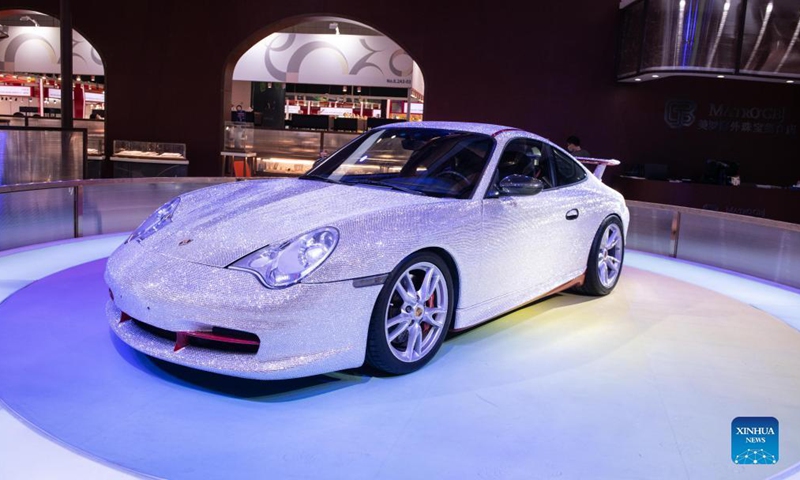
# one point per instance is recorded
(601, 274)
(397, 318)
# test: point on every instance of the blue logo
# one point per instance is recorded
(754, 440)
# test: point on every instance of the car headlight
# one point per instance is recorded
(156, 221)
(285, 264)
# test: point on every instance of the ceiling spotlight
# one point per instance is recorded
(637, 79)
(344, 89)
(720, 76)
(655, 76)
(334, 26)
(789, 81)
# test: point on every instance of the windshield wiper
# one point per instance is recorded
(318, 177)
(381, 183)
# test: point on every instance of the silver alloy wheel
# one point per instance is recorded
(609, 255)
(417, 312)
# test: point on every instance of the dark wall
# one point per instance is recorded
(548, 67)
(751, 123)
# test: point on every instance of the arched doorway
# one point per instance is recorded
(29, 58)
(31, 83)
(307, 86)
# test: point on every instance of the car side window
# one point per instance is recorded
(524, 156)
(567, 170)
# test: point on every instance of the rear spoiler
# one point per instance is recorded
(601, 163)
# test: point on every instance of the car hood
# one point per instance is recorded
(218, 225)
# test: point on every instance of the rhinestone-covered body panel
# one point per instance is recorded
(506, 251)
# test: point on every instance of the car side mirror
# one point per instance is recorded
(520, 185)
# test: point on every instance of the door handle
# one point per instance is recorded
(573, 214)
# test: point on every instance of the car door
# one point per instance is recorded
(522, 234)
(579, 218)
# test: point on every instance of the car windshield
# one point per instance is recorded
(435, 162)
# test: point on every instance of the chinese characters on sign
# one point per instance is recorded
(680, 113)
(747, 127)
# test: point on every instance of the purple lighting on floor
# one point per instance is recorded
(87, 390)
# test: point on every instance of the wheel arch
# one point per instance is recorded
(613, 214)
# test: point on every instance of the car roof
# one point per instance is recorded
(472, 127)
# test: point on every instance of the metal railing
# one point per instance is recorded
(763, 248)
(42, 212)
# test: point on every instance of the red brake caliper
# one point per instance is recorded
(427, 326)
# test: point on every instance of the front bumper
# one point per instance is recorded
(303, 330)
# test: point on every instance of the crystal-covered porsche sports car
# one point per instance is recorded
(406, 233)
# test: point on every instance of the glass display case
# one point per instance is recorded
(151, 152)
(95, 146)
(95, 155)
(134, 159)
(239, 136)
(269, 166)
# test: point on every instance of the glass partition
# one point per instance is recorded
(122, 207)
(41, 155)
(45, 212)
(334, 141)
(287, 144)
(652, 230)
(36, 216)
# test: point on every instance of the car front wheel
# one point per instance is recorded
(412, 315)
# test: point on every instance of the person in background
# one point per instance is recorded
(574, 147)
(241, 116)
(322, 156)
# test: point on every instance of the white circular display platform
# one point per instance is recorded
(643, 383)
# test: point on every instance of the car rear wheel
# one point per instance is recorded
(605, 259)
(412, 315)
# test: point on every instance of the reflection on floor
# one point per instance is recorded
(640, 384)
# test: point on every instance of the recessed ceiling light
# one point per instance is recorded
(720, 76)
(789, 81)
(655, 76)
(638, 79)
